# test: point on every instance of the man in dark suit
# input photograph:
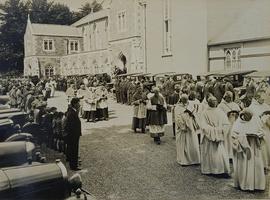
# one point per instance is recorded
(73, 131)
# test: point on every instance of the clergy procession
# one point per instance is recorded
(214, 124)
(222, 128)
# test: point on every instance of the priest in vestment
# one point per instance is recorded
(247, 155)
(157, 116)
(139, 109)
(187, 144)
(214, 157)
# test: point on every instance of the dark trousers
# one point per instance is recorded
(91, 116)
(174, 129)
(105, 113)
(73, 152)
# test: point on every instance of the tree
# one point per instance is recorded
(86, 9)
(46, 12)
(60, 14)
(39, 10)
(14, 19)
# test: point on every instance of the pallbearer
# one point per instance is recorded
(157, 116)
(187, 144)
(214, 157)
(139, 108)
(247, 154)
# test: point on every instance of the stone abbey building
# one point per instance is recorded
(185, 36)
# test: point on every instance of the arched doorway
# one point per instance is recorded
(120, 67)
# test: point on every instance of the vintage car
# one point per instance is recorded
(236, 77)
(6, 129)
(4, 100)
(260, 75)
(41, 181)
(20, 137)
(16, 153)
(159, 77)
(9, 110)
(17, 117)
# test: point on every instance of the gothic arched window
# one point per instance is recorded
(228, 59)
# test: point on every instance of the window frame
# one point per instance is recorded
(73, 42)
(167, 29)
(122, 21)
(235, 58)
(51, 71)
(48, 40)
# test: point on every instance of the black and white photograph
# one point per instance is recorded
(134, 99)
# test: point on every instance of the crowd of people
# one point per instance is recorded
(214, 123)
(93, 100)
(47, 124)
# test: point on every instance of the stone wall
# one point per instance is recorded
(93, 62)
(118, 6)
(49, 61)
(28, 43)
(60, 43)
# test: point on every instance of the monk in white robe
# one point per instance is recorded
(258, 108)
(247, 154)
(195, 106)
(231, 110)
(214, 157)
(187, 144)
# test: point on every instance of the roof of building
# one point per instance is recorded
(56, 30)
(92, 17)
(227, 41)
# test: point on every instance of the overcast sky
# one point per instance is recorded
(73, 4)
